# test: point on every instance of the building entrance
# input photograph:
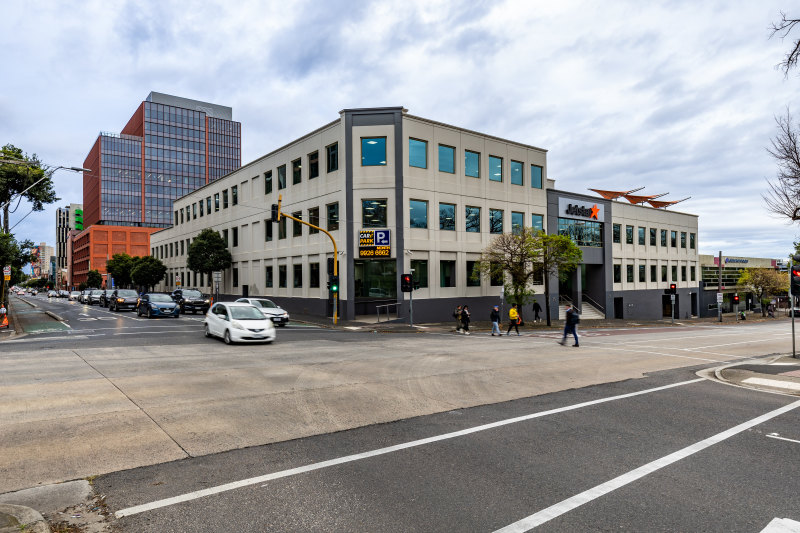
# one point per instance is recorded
(375, 283)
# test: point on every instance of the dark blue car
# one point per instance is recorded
(157, 304)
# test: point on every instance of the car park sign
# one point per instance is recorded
(374, 243)
(7, 273)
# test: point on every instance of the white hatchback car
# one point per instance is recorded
(238, 322)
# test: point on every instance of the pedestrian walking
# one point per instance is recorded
(536, 310)
(571, 325)
(513, 320)
(457, 316)
(494, 316)
(465, 319)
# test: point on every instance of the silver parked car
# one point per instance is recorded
(279, 316)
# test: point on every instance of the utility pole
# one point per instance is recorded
(719, 288)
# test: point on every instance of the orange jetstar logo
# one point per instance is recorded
(595, 210)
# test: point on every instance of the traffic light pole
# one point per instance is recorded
(791, 303)
(335, 256)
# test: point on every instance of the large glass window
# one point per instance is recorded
(536, 176)
(516, 173)
(268, 230)
(297, 227)
(472, 164)
(447, 159)
(517, 222)
(495, 221)
(447, 217)
(652, 236)
(282, 276)
(641, 236)
(617, 233)
(268, 277)
(495, 168)
(281, 177)
(208, 205)
(617, 273)
(201, 207)
(297, 276)
(313, 275)
(692, 241)
(297, 172)
(216, 202)
(332, 157)
(373, 213)
(313, 165)
(235, 276)
(225, 199)
(235, 195)
(235, 235)
(373, 151)
(664, 238)
(683, 240)
(629, 273)
(473, 274)
(282, 228)
(472, 219)
(673, 239)
(224, 237)
(582, 232)
(420, 274)
(537, 222)
(332, 216)
(663, 272)
(629, 234)
(375, 279)
(417, 153)
(674, 272)
(693, 273)
(313, 218)
(447, 273)
(653, 273)
(418, 214)
(267, 182)
(683, 272)
(194, 211)
(642, 273)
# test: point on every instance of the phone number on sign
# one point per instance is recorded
(377, 251)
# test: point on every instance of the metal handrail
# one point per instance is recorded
(397, 311)
(595, 304)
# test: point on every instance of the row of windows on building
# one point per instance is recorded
(630, 271)
(373, 153)
(312, 159)
(642, 237)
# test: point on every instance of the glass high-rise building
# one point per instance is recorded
(170, 147)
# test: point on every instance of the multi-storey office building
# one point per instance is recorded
(726, 281)
(169, 147)
(67, 218)
(401, 193)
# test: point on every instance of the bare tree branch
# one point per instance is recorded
(782, 28)
(783, 196)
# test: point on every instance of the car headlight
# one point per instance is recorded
(285, 315)
(237, 325)
(153, 306)
(120, 300)
(206, 301)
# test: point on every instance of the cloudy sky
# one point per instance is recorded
(679, 97)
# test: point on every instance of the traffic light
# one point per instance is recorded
(333, 283)
(276, 213)
(795, 290)
(735, 299)
(673, 288)
(406, 283)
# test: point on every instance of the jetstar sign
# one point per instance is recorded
(569, 209)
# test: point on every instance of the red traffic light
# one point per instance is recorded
(736, 298)
(406, 283)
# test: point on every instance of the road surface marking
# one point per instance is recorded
(380, 451)
(776, 436)
(782, 525)
(606, 347)
(563, 507)
(772, 383)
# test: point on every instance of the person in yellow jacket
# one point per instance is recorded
(513, 320)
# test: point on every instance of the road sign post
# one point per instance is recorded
(217, 275)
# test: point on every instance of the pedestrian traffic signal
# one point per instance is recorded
(276, 213)
(333, 283)
(673, 288)
(406, 283)
(795, 290)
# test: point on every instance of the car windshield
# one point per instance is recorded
(192, 294)
(97, 292)
(245, 313)
(127, 293)
(75, 293)
(265, 303)
(160, 298)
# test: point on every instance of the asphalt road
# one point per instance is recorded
(495, 477)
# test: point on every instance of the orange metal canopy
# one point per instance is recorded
(613, 195)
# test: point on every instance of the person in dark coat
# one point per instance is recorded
(536, 310)
(494, 316)
(571, 325)
(465, 319)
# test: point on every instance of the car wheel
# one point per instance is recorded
(227, 337)
(207, 332)
(149, 313)
(138, 311)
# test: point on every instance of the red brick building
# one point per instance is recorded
(95, 245)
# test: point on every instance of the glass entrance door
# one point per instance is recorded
(375, 279)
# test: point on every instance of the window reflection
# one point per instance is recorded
(373, 151)
(373, 213)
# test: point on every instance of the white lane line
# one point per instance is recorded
(782, 525)
(563, 507)
(662, 354)
(776, 436)
(380, 451)
(775, 383)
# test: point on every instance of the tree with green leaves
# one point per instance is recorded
(94, 279)
(558, 255)
(120, 267)
(511, 257)
(148, 271)
(208, 253)
(18, 171)
(16, 254)
(763, 283)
